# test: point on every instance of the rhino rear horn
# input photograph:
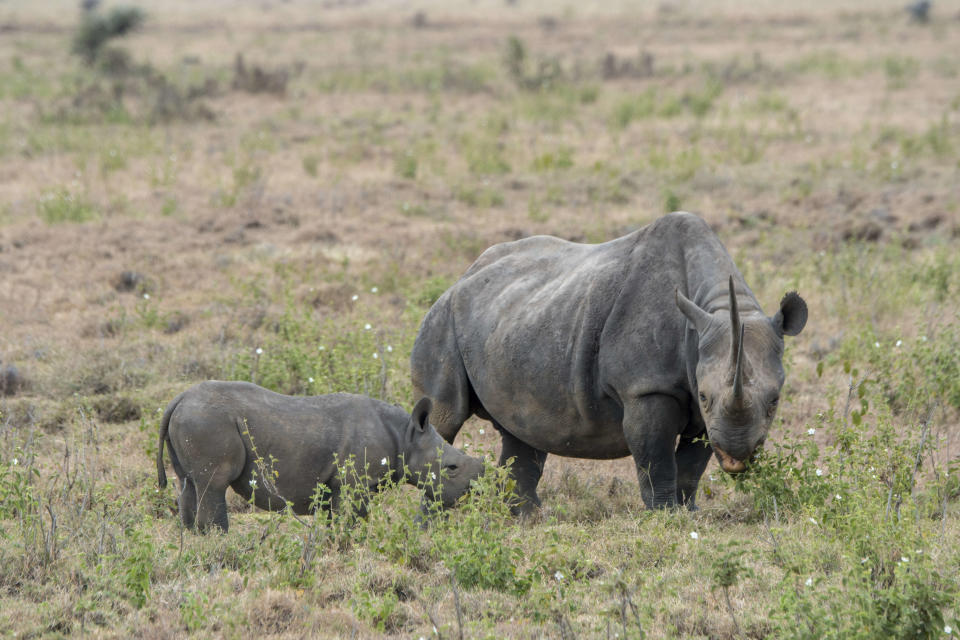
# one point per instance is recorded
(699, 318)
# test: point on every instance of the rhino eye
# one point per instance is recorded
(704, 401)
(773, 405)
(450, 467)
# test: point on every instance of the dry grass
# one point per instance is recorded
(821, 142)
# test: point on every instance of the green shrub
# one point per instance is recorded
(97, 29)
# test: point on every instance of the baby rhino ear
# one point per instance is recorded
(419, 418)
(792, 316)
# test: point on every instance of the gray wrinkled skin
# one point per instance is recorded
(630, 347)
(208, 430)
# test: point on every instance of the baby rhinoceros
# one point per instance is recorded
(278, 448)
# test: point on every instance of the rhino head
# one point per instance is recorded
(740, 372)
(445, 473)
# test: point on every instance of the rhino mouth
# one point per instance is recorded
(728, 463)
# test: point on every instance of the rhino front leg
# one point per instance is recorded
(650, 425)
(692, 458)
(526, 470)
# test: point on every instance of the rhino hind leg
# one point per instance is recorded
(211, 507)
(692, 457)
(187, 503)
(526, 470)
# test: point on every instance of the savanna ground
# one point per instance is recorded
(168, 217)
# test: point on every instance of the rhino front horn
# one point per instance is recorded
(738, 371)
(734, 324)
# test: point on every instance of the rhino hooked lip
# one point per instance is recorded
(729, 463)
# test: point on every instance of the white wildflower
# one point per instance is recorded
(923, 338)
(373, 289)
(433, 476)
(694, 535)
(367, 326)
(558, 576)
(838, 497)
(899, 342)
(259, 351)
(375, 355)
(809, 582)
(383, 462)
(159, 409)
(355, 297)
(253, 482)
(321, 348)
(146, 296)
(16, 461)
(864, 560)
(481, 431)
(310, 380)
(811, 431)
(904, 559)
(812, 520)
(876, 344)
(819, 472)
(894, 165)
(389, 349)
(947, 629)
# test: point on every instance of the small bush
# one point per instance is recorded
(97, 29)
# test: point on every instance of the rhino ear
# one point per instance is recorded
(792, 316)
(699, 318)
(419, 418)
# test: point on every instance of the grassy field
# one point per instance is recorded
(277, 192)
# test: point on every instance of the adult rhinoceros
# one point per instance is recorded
(600, 351)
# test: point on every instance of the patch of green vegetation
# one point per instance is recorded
(482, 196)
(899, 70)
(63, 205)
(303, 355)
(405, 165)
(561, 158)
(310, 163)
(827, 63)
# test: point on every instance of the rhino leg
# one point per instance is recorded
(187, 503)
(650, 425)
(526, 470)
(212, 507)
(692, 458)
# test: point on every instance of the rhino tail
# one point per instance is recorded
(165, 439)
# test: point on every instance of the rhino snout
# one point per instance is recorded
(729, 463)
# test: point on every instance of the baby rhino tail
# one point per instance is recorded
(165, 439)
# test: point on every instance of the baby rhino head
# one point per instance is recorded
(445, 473)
